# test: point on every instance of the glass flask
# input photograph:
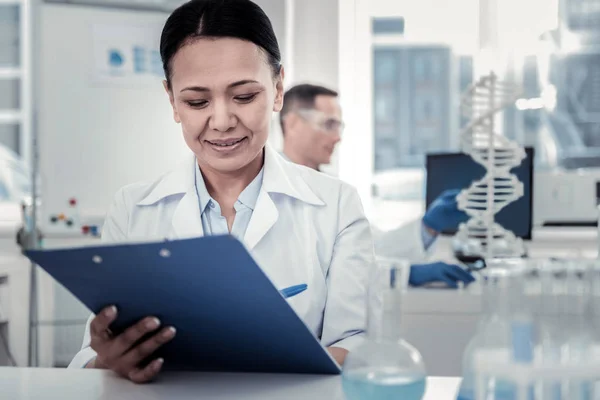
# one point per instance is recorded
(384, 366)
(505, 329)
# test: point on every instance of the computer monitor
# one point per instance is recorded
(458, 170)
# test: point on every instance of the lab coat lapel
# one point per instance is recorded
(187, 221)
(279, 178)
(263, 218)
(265, 213)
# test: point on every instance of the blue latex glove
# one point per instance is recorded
(421, 274)
(443, 213)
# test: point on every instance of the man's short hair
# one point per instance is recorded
(302, 97)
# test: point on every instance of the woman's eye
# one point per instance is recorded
(197, 103)
(246, 98)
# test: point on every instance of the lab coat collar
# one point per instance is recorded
(280, 176)
(284, 177)
(179, 181)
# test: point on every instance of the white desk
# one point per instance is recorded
(30, 384)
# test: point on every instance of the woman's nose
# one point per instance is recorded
(222, 119)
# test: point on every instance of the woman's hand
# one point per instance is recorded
(338, 354)
(124, 353)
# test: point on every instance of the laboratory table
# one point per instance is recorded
(70, 384)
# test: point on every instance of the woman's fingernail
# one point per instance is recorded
(111, 311)
(170, 332)
(158, 363)
(153, 323)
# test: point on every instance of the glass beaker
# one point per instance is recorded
(385, 366)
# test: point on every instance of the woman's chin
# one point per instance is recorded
(227, 162)
(228, 165)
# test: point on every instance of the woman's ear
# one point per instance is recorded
(278, 104)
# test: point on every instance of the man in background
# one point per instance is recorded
(312, 125)
(311, 122)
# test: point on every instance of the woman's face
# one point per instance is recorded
(223, 93)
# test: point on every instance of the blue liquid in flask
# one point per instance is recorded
(385, 384)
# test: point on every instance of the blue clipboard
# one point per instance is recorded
(228, 314)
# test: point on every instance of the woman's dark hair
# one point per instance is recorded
(241, 19)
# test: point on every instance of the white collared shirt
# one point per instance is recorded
(213, 222)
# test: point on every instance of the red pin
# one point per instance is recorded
(85, 229)
(73, 202)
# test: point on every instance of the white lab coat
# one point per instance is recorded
(404, 242)
(307, 227)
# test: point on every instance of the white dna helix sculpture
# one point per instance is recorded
(498, 155)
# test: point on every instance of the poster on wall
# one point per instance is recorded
(126, 54)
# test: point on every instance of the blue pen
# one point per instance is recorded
(293, 290)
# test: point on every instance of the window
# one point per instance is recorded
(10, 84)
(412, 104)
(9, 35)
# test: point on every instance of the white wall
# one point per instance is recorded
(315, 42)
(355, 65)
(94, 137)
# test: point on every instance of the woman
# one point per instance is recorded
(224, 79)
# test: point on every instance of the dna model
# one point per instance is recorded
(481, 103)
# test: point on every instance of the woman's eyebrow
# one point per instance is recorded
(232, 85)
